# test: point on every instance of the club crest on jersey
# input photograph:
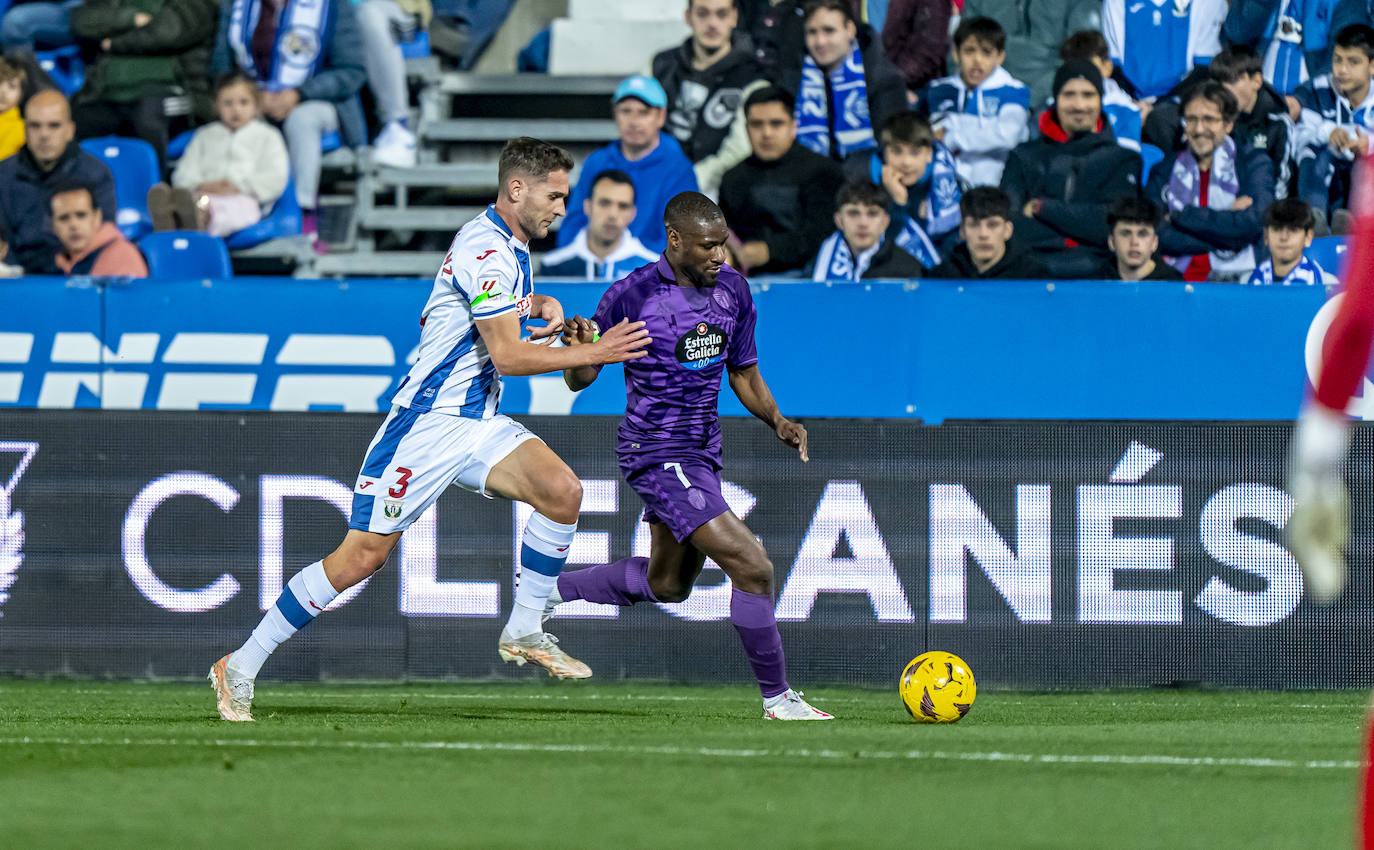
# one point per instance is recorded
(390, 509)
(702, 346)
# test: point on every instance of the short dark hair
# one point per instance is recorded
(689, 207)
(533, 158)
(233, 78)
(985, 202)
(907, 127)
(811, 7)
(614, 175)
(863, 193)
(983, 29)
(1290, 214)
(1356, 35)
(770, 94)
(1236, 61)
(70, 188)
(1085, 44)
(1218, 94)
(1133, 209)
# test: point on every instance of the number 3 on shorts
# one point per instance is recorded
(677, 467)
(401, 483)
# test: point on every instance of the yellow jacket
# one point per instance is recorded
(11, 133)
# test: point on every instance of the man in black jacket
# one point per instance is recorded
(988, 252)
(1260, 122)
(705, 78)
(48, 160)
(779, 201)
(1063, 183)
(860, 248)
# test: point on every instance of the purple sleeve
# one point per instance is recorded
(742, 351)
(609, 311)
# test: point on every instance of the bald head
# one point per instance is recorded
(48, 127)
(690, 209)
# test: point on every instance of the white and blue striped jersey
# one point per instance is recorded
(485, 274)
(1157, 42)
(981, 125)
(1308, 272)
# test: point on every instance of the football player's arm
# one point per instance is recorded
(513, 356)
(751, 390)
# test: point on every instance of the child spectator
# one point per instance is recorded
(1336, 121)
(706, 78)
(604, 249)
(859, 249)
(779, 201)
(1035, 29)
(847, 85)
(652, 158)
(1134, 242)
(1157, 42)
(1288, 233)
(1291, 35)
(919, 175)
(980, 113)
(1063, 183)
(11, 121)
(987, 252)
(1119, 107)
(233, 170)
(91, 246)
(1214, 193)
(1260, 123)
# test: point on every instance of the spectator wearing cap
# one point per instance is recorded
(653, 159)
(1064, 182)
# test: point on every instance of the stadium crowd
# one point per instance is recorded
(843, 139)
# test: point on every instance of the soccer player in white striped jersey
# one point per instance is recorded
(443, 427)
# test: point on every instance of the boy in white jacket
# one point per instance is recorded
(233, 171)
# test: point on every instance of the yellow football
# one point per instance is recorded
(937, 687)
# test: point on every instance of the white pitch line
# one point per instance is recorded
(707, 752)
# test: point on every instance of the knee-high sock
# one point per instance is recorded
(752, 616)
(624, 582)
(302, 600)
(542, 553)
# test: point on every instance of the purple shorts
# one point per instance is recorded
(683, 496)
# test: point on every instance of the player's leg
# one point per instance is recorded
(532, 473)
(666, 575)
(730, 543)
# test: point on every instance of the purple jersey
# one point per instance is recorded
(670, 394)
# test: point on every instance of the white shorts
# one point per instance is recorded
(415, 456)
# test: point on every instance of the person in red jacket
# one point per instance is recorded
(1319, 526)
(91, 246)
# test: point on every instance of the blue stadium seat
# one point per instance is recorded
(1150, 156)
(134, 165)
(182, 254)
(65, 66)
(284, 219)
(4, 7)
(417, 47)
(1329, 252)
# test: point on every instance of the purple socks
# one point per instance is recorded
(752, 616)
(624, 582)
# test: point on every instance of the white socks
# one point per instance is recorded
(542, 554)
(305, 596)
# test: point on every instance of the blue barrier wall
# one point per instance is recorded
(933, 349)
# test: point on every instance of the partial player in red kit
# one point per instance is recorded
(1320, 525)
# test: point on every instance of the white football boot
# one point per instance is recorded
(542, 648)
(234, 694)
(791, 706)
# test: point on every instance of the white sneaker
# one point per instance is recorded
(234, 694)
(394, 146)
(791, 706)
(541, 648)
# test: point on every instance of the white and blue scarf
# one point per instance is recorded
(1223, 188)
(853, 128)
(915, 242)
(299, 46)
(835, 260)
(1306, 273)
(940, 183)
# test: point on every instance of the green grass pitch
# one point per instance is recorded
(561, 764)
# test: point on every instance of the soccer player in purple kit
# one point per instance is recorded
(700, 317)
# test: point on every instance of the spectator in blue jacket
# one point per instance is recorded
(1292, 36)
(652, 158)
(1214, 192)
(1336, 124)
(42, 25)
(49, 159)
(309, 63)
(1155, 45)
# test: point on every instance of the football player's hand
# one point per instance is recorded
(793, 434)
(625, 341)
(579, 331)
(548, 309)
(1319, 526)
